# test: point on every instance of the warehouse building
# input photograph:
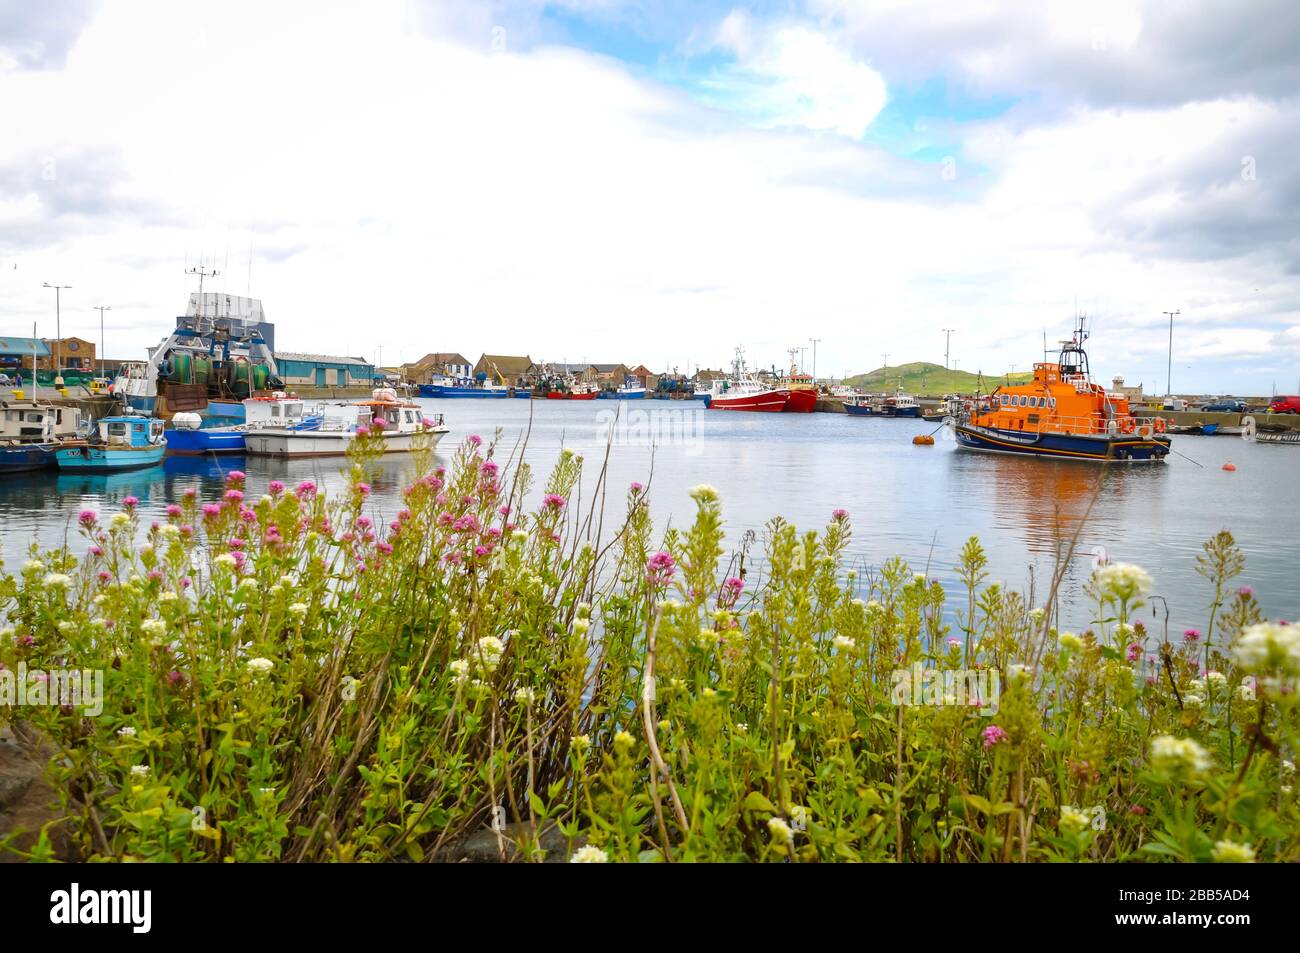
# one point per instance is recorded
(324, 370)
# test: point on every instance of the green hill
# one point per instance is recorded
(929, 380)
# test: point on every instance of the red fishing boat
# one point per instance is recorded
(802, 388)
(743, 392)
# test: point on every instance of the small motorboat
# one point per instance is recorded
(126, 442)
(397, 422)
(188, 438)
(31, 432)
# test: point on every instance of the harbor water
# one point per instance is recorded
(917, 502)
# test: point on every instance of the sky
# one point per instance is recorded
(663, 182)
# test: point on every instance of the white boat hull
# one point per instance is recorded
(323, 443)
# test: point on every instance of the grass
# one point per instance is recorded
(285, 680)
(930, 380)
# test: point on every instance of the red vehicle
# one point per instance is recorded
(1285, 405)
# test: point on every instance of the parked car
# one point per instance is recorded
(1229, 405)
(1285, 405)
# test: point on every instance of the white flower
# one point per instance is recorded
(875, 605)
(1230, 852)
(225, 561)
(260, 666)
(171, 531)
(779, 829)
(1036, 615)
(126, 731)
(1072, 820)
(168, 595)
(1018, 673)
(490, 649)
(918, 578)
(248, 584)
(298, 610)
(1216, 679)
(1123, 581)
(120, 519)
(7, 632)
(67, 628)
(1172, 754)
(140, 771)
(580, 742)
(33, 565)
(525, 696)
(742, 726)
(580, 627)
(1266, 647)
(56, 580)
(154, 628)
(1193, 700)
(1246, 690)
(589, 855)
(703, 493)
(844, 643)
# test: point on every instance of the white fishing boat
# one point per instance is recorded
(398, 422)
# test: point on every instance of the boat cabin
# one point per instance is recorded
(28, 421)
(131, 431)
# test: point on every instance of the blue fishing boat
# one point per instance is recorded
(122, 443)
(463, 387)
(862, 406)
(631, 390)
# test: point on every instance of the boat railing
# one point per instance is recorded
(1090, 424)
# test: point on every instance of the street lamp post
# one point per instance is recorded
(947, 342)
(1169, 371)
(814, 344)
(101, 308)
(58, 334)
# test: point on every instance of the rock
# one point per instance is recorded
(27, 801)
(482, 847)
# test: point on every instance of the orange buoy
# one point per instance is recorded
(1230, 466)
(923, 440)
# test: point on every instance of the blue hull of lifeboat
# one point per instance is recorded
(1063, 446)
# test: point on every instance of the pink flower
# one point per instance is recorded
(275, 487)
(155, 575)
(379, 423)
(636, 487)
(384, 548)
(174, 677)
(1191, 635)
(96, 551)
(474, 440)
(130, 501)
(173, 509)
(481, 550)
(364, 522)
(363, 489)
(403, 515)
(467, 524)
(104, 575)
(503, 510)
(361, 566)
(211, 510)
(235, 496)
(363, 431)
(840, 515)
(660, 568)
(993, 735)
(87, 518)
(186, 582)
(1134, 651)
(187, 530)
(395, 527)
(429, 423)
(27, 641)
(191, 492)
(305, 489)
(954, 643)
(489, 468)
(1245, 592)
(235, 476)
(1137, 809)
(553, 501)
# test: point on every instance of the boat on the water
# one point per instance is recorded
(864, 405)
(632, 389)
(31, 432)
(122, 442)
(397, 422)
(742, 391)
(213, 359)
(464, 387)
(187, 437)
(1062, 414)
(900, 405)
(802, 388)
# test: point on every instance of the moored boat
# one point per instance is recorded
(452, 387)
(31, 432)
(802, 388)
(1062, 414)
(863, 405)
(397, 422)
(188, 438)
(126, 442)
(632, 389)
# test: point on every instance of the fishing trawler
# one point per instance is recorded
(1062, 414)
(632, 389)
(742, 391)
(397, 422)
(479, 387)
(802, 388)
(214, 358)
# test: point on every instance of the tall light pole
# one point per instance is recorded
(58, 334)
(947, 341)
(101, 308)
(815, 341)
(1169, 371)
